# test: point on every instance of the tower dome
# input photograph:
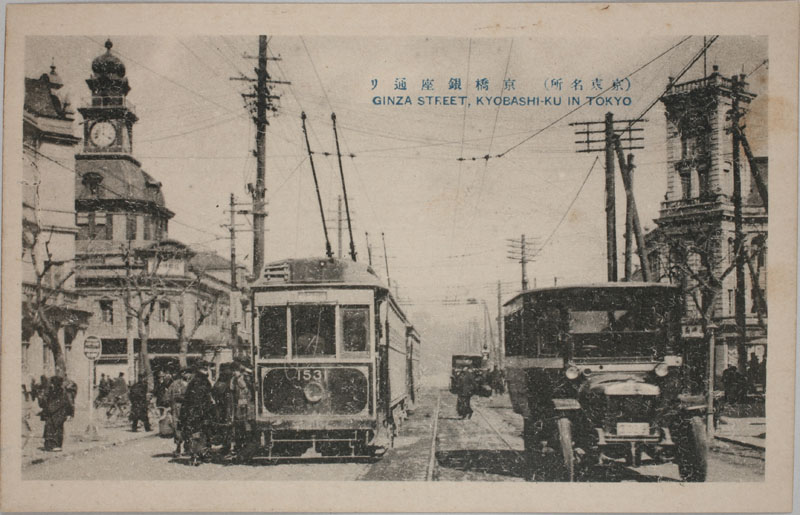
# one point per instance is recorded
(108, 65)
(108, 75)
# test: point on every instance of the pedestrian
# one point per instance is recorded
(223, 408)
(465, 389)
(729, 383)
(174, 396)
(197, 413)
(57, 408)
(242, 394)
(752, 373)
(138, 397)
(160, 391)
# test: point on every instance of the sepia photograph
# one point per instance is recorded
(303, 257)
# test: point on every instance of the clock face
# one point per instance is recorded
(103, 134)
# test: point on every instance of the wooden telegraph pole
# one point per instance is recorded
(263, 103)
(612, 142)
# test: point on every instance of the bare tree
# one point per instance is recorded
(697, 260)
(203, 309)
(39, 311)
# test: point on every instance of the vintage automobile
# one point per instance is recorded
(473, 362)
(596, 372)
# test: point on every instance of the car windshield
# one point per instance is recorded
(617, 332)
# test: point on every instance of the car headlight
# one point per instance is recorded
(572, 372)
(313, 392)
(661, 370)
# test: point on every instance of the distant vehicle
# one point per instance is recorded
(596, 373)
(472, 361)
(336, 360)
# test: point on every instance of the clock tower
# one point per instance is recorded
(109, 119)
(115, 200)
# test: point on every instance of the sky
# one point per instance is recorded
(446, 217)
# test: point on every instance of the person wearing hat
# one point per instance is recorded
(244, 409)
(197, 412)
(138, 398)
(174, 398)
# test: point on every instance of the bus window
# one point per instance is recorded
(314, 330)
(355, 329)
(272, 332)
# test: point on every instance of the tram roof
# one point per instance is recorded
(317, 270)
(627, 285)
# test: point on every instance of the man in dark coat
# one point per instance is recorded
(57, 407)
(197, 412)
(175, 394)
(223, 404)
(138, 397)
(465, 389)
(243, 409)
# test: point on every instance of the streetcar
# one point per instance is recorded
(336, 361)
(596, 372)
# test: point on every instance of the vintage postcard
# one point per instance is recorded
(422, 257)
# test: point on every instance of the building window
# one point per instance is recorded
(655, 266)
(163, 311)
(26, 346)
(130, 226)
(686, 184)
(146, 220)
(731, 302)
(107, 311)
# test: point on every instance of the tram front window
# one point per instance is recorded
(613, 333)
(355, 329)
(272, 332)
(314, 330)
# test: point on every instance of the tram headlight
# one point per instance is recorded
(313, 392)
(572, 372)
(661, 370)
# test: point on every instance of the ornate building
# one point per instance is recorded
(54, 320)
(694, 242)
(150, 295)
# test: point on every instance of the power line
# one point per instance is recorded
(572, 203)
(568, 113)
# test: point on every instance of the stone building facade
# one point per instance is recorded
(694, 242)
(52, 309)
(148, 294)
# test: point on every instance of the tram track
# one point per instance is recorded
(494, 429)
(431, 469)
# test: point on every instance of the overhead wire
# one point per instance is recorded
(580, 106)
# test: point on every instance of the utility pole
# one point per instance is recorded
(520, 251)
(741, 320)
(259, 192)
(263, 103)
(234, 288)
(500, 346)
(609, 132)
(611, 202)
(629, 224)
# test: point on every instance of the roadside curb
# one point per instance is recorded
(102, 445)
(735, 441)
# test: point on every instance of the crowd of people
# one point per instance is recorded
(201, 414)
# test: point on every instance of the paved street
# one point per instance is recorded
(487, 447)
